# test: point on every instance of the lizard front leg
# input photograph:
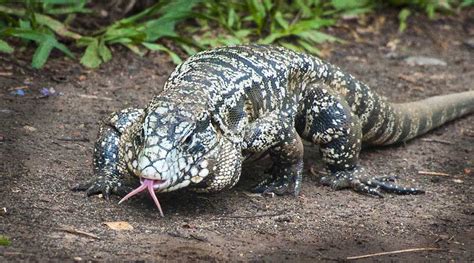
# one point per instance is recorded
(326, 119)
(287, 168)
(109, 167)
(274, 133)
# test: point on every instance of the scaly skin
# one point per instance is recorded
(222, 106)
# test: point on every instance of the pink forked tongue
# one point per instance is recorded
(146, 184)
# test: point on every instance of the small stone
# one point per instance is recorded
(77, 259)
(469, 42)
(29, 128)
(458, 181)
(424, 61)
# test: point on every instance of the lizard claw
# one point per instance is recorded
(357, 180)
(104, 185)
(284, 180)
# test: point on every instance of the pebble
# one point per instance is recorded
(29, 128)
(469, 42)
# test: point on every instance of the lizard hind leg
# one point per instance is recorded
(327, 119)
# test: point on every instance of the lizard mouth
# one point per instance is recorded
(150, 185)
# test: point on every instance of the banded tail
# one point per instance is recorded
(400, 122)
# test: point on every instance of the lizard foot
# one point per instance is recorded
(104, 185)
(284, 180)
(357, 180)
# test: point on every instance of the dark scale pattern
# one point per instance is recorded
(225, 105)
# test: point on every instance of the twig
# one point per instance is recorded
(437, 140)
(250, 216)
(17, 253)
(69, 139)
(77, 232)
(86, 96)
(394, 252)
(199, 238)
(432, 173)
(5, 74)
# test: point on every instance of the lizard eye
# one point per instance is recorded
(188, 139)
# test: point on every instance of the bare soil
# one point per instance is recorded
(46, 147)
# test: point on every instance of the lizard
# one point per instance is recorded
(224, 106)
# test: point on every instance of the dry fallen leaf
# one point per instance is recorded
(119, 225)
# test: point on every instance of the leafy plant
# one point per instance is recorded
(32, 26)
(294, 24)
(192, 25)
(137, 32)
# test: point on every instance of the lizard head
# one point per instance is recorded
(170, 149)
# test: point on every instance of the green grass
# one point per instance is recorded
(191, 25)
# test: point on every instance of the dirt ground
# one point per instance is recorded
(46, 147)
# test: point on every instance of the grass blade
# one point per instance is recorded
(42, 53)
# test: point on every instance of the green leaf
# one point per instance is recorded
(188, 49)
(348, 4)
(290, 46)
(257, 10)
(24, 24)
(231, 17)
(4, 241)
(46, 42)
(42, 53)
(27, 34)
(5, 48)
(281, 20)
(317, 37)
(135, 49)
(51, 2)
(173, 12)
(305, 25)
(467, 3)
(272, 37)
(309, 47)
(403, 16)
(58, 27)
(158, 28)
(104, 52)
(242, 34)
(91, 57)
(114, 35)
(157, 47)
(63, 49)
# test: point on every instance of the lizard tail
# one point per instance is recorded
(400, 122)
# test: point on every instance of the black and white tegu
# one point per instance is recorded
(223, 106)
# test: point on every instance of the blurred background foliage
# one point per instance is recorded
(90, 27)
